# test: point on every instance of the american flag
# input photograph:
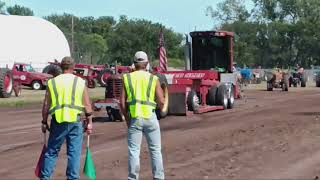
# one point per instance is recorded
(162, 53)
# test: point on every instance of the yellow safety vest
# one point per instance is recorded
(140, 88)
(66, 97)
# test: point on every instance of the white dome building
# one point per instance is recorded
(31, 40)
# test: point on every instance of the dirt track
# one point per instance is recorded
(268, 135)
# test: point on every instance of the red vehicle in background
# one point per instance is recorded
(25, 75)
(8, 84)
(93, 74)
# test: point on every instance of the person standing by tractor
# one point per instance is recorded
(140, 96)
(66, 99)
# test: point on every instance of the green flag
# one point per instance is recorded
(89, 170)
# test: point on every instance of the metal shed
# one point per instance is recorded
(32, 40)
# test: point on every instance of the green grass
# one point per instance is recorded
(35, 97)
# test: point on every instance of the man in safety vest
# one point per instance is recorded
(66, 99)
(140, 96)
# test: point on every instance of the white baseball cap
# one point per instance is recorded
(140, 57)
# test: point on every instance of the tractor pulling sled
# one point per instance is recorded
(207, 84)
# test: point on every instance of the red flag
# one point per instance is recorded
(162, 53)
(39, 166)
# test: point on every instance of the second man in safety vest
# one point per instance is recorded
(139, 98)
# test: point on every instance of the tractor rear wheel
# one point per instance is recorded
(231, 98)
(52, 69)
(103, 76)
(222, 96)
(317, 83)
(303, 82)
(212, 96)
(162, 113)
(269, 86)
(114, 114)
(193, 101)
(285, 83)
(6, 83)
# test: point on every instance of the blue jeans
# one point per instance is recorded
(151, 129)
(73, 134)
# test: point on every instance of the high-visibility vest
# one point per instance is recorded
(140, 88)
(66, 97)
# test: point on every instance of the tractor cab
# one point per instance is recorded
(211, 50)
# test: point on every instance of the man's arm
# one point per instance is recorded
(45, 110)
(159, 95)
(88, 109)
(86, 101)
(123, 105)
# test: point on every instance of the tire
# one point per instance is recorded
(52, 69)
(269, 86)
(303, 82)
(114, 115)
(6, 83)
(317, 83)
(193, 101)
(162, 113)
(36, 85)
(231, 100)
(212, 96)
(222, 96)
(285, 83)
(102, 80)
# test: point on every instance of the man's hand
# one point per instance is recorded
(44, 126)
(89, 125)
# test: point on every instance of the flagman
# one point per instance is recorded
(139, 97)
(66, 99)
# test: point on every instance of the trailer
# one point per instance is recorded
(208, 82)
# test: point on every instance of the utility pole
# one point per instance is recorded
(72, 37)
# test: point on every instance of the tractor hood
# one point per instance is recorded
(40, 75)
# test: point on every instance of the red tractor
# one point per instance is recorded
(91, 73)
(8, 84)
(207, 84)
(27, 76)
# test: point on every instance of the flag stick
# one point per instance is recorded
(45, 139)
(88, 140)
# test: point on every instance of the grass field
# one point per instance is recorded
(34, 97)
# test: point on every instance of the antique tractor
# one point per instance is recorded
(297, 78)
(277, 79)
(91, 73)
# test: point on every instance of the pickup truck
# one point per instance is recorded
(27, 76)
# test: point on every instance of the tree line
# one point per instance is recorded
(104, 40)
(275, 33)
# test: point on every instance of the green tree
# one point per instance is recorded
(129, 36)
(2, 7)
(20, 10)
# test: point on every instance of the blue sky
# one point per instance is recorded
(180, 15)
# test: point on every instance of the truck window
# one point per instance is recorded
(211, 52)
(29, 68)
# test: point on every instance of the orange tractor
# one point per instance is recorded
(277, 79)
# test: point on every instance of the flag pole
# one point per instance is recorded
(45, 138)
(88, 140)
